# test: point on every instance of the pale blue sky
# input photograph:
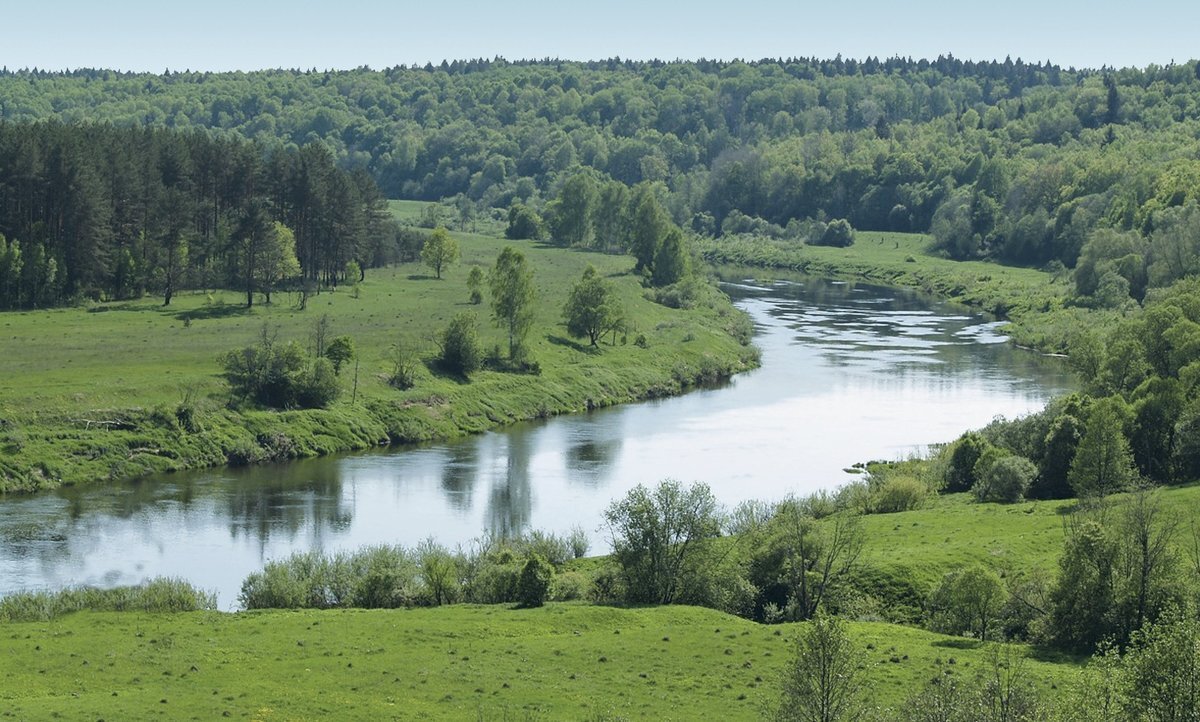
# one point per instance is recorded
(250, 34)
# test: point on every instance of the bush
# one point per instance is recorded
(374, 577)
(533, 586)
(1006, 480)
(459, 342)
(962, 456)
(280, 375)
(318, 386)
(898, 493)
(838, 234)
(569, 586)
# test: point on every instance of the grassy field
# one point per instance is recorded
(564, 661)
(90, 393)
(1032, 300)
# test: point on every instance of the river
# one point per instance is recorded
(849, 373)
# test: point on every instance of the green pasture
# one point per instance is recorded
(564, 661)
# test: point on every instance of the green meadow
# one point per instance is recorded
(563, 661)
(91, 393)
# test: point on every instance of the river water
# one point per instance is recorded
(849, 373)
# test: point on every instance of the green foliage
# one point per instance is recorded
(592, 309)
(1005, 480)
(798, 564)
(571, 215)
(440, 250)
(660, 536)
(340, 351)
(1103, 462)
(533, 586)
(822, 683)
(898, 493)
(524, 223)
(672, 260)
(648, 225)
(459, 343)
(280, 375)
(373, 577)
(838, 234)
(963, 456)
(475, 285)
(1161, 672)
(513, 293)
(1116, 575)
(968, 601)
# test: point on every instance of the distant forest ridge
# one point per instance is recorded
(1020, 162)
(838, 65)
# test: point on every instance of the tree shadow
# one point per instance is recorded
(422, 277)
(1067, 509)
(561, 341)
(124, 306)
(958, 643)
(223, 310)
(437, 370)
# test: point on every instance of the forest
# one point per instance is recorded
(95, 211)
(1024, 163)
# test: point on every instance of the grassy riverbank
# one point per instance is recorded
(1033, 301)
(564, 661)
(93, 393)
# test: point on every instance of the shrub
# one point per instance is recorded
(459, 342)
(569, 586)
(578, 541)
(280, 375)
(898, 493)
(1006, 480)
(533, 586)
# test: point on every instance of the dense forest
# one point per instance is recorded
(95, 210)
(1010, 160)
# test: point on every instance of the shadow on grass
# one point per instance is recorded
(422, 277)
(436, 368)
(560, 341)
(126, 306)
(958, 643)
(204, 313)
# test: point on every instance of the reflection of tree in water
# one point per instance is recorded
(588, 459)
(287, 499)
(459, 472)
(511, 498)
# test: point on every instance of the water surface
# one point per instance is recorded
(850, 373)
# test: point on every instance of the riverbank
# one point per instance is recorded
(121, 390)
(1033, 302)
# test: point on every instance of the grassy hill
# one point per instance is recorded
(563, 661)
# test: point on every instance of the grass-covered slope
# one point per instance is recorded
(463, 662)
(92, 393)
(906, 554)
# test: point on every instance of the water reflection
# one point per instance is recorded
(850, 372)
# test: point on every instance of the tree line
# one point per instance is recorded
(1009, 160)
(95, 211)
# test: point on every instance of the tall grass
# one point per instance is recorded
(162, 594)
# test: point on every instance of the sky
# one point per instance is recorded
(221, 35)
